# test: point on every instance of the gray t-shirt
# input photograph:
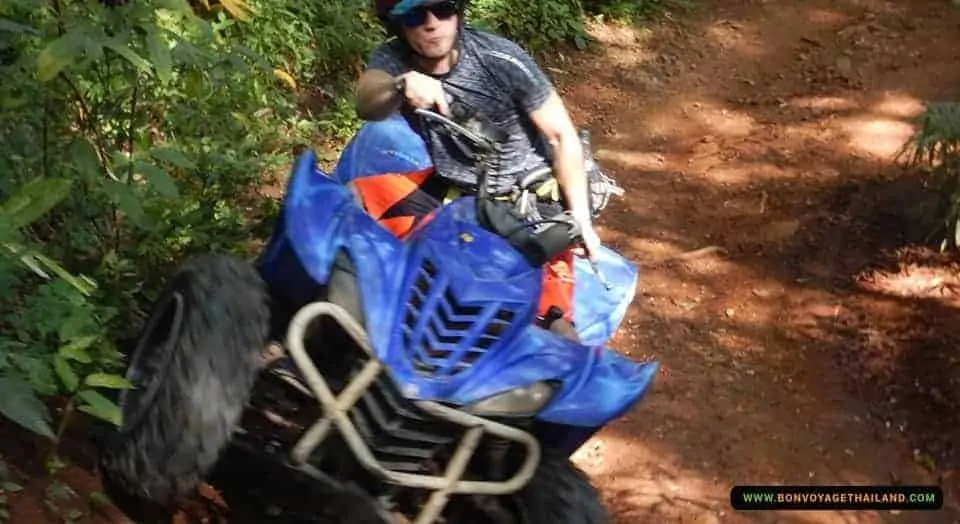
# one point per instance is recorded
(501, 81)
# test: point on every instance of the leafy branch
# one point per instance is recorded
(936, 146)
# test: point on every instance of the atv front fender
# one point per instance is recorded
(598, 311)
(321, 217)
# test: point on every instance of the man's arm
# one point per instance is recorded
(553, 122)
(538, 98)
(379, 94)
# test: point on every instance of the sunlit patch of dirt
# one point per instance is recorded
(828, 17)
(916, 282)
(924, 275)
(617, 35)
(877, 136)
(733, 174)
(827, 103)
(635, 494)
(698, 117)
(660, 246)
(721, 120)
(625, 48)
(738, 344)
(739, 37)
(644, 160)
(898, 105)
(808, 137)
(651, 248)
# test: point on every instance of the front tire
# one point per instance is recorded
(560, 493)
(343, 289)
(193, 370)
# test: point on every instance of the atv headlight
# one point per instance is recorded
(524, 401)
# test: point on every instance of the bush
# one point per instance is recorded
(536, 24)
(539, 24)
(131, 135)
(936, 145)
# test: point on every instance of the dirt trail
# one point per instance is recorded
(763, 131)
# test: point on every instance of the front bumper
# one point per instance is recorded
(392, 436)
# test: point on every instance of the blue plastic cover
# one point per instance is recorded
(450, 309)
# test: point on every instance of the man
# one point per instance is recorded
(435, 56)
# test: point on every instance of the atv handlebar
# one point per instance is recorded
(486, 144)
(480, 137)
(539, 241)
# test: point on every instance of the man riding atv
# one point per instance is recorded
(435, 56)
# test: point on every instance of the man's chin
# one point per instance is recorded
(435, 53)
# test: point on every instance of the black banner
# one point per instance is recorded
(836, 497)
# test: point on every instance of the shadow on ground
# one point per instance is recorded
(763, 206)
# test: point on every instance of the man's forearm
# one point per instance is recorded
(377, 95)
(568, 167)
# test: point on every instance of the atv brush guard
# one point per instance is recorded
(336, 409)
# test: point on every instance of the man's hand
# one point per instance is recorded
(378, 94)
(424, 92)
(591, 242)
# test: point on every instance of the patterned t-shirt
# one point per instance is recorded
(500, 80)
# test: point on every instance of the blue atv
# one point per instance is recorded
(414, 381)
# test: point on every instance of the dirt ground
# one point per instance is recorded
(804, 330)
(805, 335)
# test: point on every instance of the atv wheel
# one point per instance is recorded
(342, 288)
(560, 493)
(193, 370)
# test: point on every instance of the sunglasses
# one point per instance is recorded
(418, 15)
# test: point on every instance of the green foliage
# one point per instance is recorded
(626, 11)
(7, 487)
(537, 24)
(936, 145)
(131, 136)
